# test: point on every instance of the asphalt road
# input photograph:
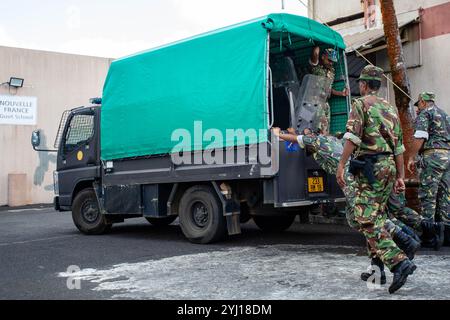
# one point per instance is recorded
(138, 261)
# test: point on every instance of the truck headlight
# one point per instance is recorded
(55, 183)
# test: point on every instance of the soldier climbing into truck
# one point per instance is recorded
(323, 65)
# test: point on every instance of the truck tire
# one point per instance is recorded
(161, 222)
(201, 215)
(274, 223)
(86, 214)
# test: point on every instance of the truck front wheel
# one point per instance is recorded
(274, 223)
(201, 215)
(86, 214)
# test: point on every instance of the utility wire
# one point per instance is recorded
(361, 55)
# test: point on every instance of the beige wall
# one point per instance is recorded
(328, 10)
(60, 82)
(434, 72)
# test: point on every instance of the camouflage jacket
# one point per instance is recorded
(433, 125)
(322, 71)
(326, 150)
(374, 126)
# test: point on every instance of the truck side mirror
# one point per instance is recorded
(36, 139)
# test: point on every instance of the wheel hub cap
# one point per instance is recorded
(90, 212)
(200, 214)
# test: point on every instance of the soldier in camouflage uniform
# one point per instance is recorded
(325, 68)
(327, 152)
(432, 140)
(374, 136)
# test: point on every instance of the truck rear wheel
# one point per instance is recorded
(201, 215)
(86, 214)
(161, 222)
(274, 223)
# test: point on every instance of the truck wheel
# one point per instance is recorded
(201, 215)
(86, 214)
(161, 222)
(274, 223)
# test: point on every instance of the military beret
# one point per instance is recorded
(371, 73)
(426, 96)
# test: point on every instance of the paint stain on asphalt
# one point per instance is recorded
(266, 272)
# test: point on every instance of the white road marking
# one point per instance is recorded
(265, 272)
(34, 240)
(26, 210)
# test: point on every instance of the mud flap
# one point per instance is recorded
(98, 193)
(231, 211)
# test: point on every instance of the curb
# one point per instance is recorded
(32, 206)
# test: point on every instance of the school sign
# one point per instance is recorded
(15, 110)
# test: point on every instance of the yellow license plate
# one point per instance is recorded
(315, 185)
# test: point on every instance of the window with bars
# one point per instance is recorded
(80, 130)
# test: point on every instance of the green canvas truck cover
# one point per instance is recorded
(218, 78)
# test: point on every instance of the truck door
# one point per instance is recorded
(78, 153)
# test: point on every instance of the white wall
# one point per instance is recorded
(432, 76)
(406, 5)
(60, 82)
(328, 10)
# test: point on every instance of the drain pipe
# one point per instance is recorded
(420, 37)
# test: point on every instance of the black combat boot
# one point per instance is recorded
(433, 233)
(375, 262)
(408, 245)
(410, 232)
(401, 272)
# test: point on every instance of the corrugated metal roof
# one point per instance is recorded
(359, 40)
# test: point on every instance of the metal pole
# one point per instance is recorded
(282, 4)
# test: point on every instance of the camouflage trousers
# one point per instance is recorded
(327, 152)
(366, 211)
(398, 216)
(323, 119)
(434, 190)
(401, 215)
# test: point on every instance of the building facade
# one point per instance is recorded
(53, 83)
(425, 33)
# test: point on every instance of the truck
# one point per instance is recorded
(184, 131)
